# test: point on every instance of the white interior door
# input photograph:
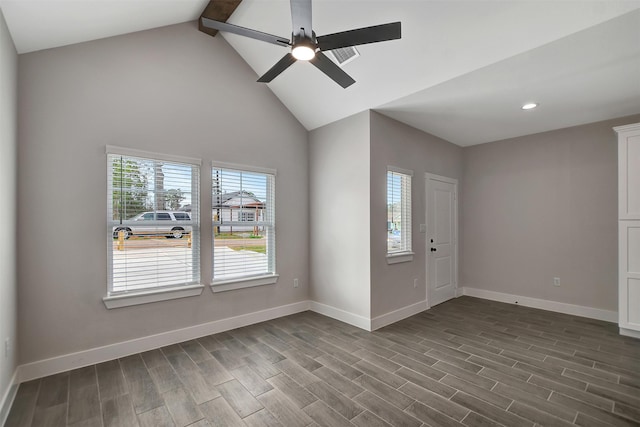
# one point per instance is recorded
(442, 238)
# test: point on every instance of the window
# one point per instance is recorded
(248, 216)
(153, 243)
(182, 216)
(398, 214)
(242, 252)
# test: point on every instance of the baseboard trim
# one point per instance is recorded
(92, 356)
(8, 397)
(629, 333)
(342, 315)
(559, 307)
(397, 315)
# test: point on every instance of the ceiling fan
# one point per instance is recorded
(305, 46)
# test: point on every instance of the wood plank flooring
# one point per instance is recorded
(466, 362)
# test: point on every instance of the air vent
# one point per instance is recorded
(345, 55)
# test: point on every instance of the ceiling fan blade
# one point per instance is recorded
(374, 34)
(327, 66)
(247, 32)
(280, 66)
(301, 17)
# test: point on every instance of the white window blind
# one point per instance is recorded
(398, 210)
(243, 213)
(153, 222)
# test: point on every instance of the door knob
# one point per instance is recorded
(433, 249)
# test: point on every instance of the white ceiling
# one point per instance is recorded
(461, 70)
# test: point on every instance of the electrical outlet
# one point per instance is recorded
(6, 348)
(423, 228)
(415, 283)
(295, 283)
(556, 281)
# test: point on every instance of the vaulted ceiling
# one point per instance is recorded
(461, 71)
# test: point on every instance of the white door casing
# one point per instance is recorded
(442, 238)
(629, 229)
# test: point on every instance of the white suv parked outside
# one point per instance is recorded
(155, 229)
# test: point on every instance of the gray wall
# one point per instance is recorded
(170, 90)
(348, 162)
(544, 206)
(8, 186)
(339, 233)
(396, 144)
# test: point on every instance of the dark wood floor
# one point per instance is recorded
(465, 362)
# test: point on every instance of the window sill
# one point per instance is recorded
(246, 282)
(399, 257)
(145, 297)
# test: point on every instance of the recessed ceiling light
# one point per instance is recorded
(529, 106)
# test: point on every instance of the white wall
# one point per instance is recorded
(8, 174)
(544, 206)
(339, 216)
(396, 144)
(171, 90)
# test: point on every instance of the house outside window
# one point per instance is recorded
(398, 212)
(243, 214)
(153, 227)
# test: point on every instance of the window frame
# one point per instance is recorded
(270, 277)
(115, 299)
(405, 253)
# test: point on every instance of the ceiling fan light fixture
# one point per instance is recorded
(303, 52)
(305, 46)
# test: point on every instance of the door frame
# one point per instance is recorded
(427, 177)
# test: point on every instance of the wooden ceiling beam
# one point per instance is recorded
(219, 10)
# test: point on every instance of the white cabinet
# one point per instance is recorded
(629, 229)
